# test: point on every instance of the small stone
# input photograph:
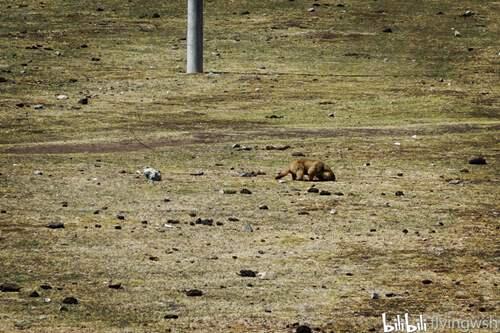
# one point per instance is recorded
(387, 30)
(115, 286)
(227, 191)
(375, 296)
(339, 194)
(281, 147)
(232, 219)
(45, 286)
(405, 231)
(312, 190)
(204, 221)
(390, 295)
(426, 281)
(61, 97)
(63, 308)
(324, 192)
(303, 213)
(400, 174)
(245, 191)
(34, 294)
(331, 115)
(311, 10)
(118, 227)
(170, 316)
(83, 101)
(153, 258)
(468, 13)
(298, 154)
(38, 173)
(9, 287)
(38, 106)
(303, 329)
(155, 15)
(70, 300)
(464, 170)
(247, 273)
(399, 193)
(248, 228)
(194, 293)
(263, 207)
(23, 324)
(120, 216)
(197, 173)
(455, 181)
(333, 211)
(479, 160)
(55, 225)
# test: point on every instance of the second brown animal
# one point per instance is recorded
(314, 169)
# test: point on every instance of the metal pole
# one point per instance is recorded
(195, 37)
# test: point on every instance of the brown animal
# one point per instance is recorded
(314, 169)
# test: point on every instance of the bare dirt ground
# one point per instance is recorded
(383, 91)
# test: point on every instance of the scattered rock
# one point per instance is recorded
(303, 329)
(247, 273)
(468, 13)
(201, 221)
(266, 275)
(264, 207)
(61, 97)
(455, 181)
(155, 15)
(151, 174)
(70, 300)
(38, 107)
(120, 216)
(387, 30)
(303, 212)
(298, 154)
(23, 324)
(426, 281)
(38, 173)
(118, 227)
(273, 147)
(3, 80)
(9, 287)
(194, 293)
(400, 174)
(245, 191)
(311, 10)
(55, 225)
(47, 300)
(273, 116)
(115, 286)
(153, 258)
(248, 228)
(331, 115)
(333, 211)
(197, 173)
(456, 33)
(34, 294)
(339, 194)
(399, 193)
(83, 101)
(479, 160)
(63, 308)
(324, 192)
(232, 219)
(170, 316)
(312, 189)
(227, 191)
(464, 170)
(245, 12)
(237, 146)
(375, 296)
(45, 286)
(390, 295)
